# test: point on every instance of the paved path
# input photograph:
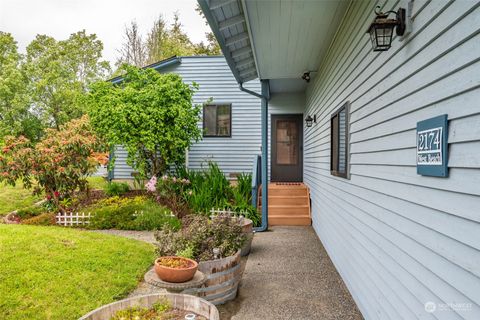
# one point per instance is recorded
(147, 236)
(289, 275)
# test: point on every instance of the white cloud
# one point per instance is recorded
(24, 19)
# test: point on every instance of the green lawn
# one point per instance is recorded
(56, 273)
(97, 183)
(13, 198)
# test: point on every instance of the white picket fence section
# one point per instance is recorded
(73, 219)
(217, 211)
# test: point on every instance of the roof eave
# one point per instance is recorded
(241, 76)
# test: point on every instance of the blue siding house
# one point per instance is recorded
(405, 240)
(233, 149)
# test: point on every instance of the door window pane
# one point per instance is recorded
(287, 146)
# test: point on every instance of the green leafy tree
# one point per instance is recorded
(155, 40)
(177, 42)
(162, 42)
(15, 115)
(211, 47)
(59, 73)
(149, 113)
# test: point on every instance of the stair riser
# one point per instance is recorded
(290, 211)
(288, 201)
(293, 221)
(287, 192)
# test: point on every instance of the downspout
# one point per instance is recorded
(264, 96)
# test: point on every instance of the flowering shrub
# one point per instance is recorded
(170, 191)
(56, 166)
(151, 184)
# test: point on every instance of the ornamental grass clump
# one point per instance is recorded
(198, 191)
(200, 235)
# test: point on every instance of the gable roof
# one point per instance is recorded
(157, 66)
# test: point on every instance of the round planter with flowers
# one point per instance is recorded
(175, 269)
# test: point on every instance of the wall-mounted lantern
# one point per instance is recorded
(309, 121)
(306, 76)
(381, 29)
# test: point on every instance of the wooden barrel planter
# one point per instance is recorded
(179, 301)
(247, 228)
(223, 277)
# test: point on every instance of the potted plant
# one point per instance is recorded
(162, 305)
(175, 269)
(215, 243)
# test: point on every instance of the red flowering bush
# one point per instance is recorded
(58, 165)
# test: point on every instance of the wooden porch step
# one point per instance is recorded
(287, 220)
(288, 210)
(288, 204)
(286, 200)
(300, 192)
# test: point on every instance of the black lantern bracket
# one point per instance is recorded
(309, 121)
(381, 29)
(408, 20)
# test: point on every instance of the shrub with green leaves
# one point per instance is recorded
(150, 113)
(43, 219)
(138, 213)
(116, 189)
(200, 235)
(30, 212)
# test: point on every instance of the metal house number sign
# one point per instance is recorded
(432, 147)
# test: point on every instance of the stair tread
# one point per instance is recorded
(288, 216)
(286, 206)
(287, 197)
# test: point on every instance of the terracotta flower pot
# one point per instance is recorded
(176, 274)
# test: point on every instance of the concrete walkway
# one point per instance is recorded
(289, 275)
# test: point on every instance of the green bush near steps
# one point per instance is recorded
(138, 213)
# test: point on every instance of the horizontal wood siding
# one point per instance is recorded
(398, 239)
(234, 154)
(121, 170)
(216, 83)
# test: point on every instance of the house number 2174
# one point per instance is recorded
(429, 140)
